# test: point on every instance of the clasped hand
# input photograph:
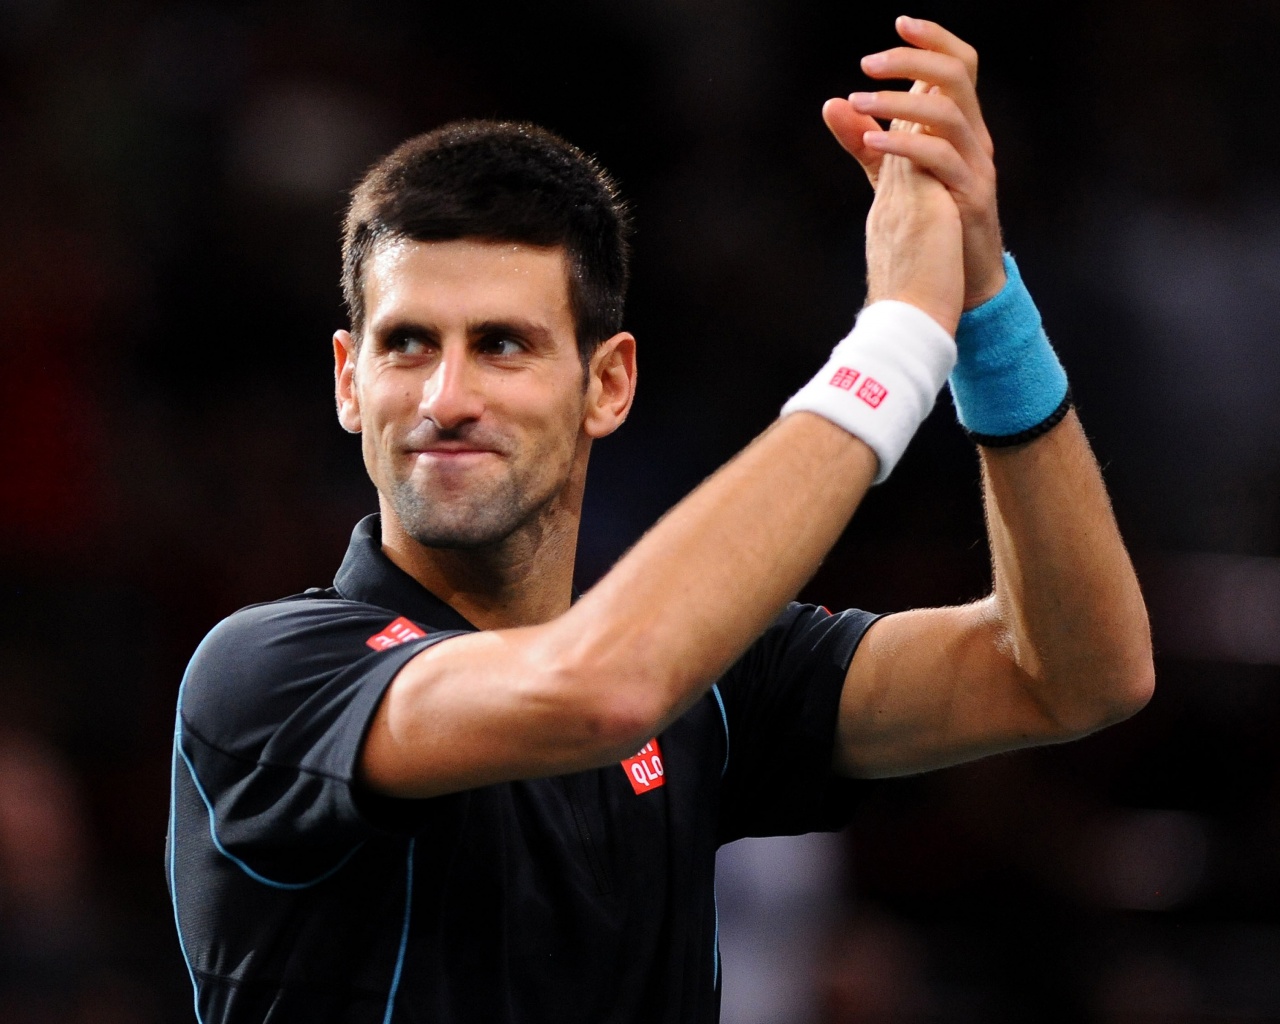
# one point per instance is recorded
(933, 233)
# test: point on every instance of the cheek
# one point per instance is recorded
(386, 403)
(371, 451)
(562, 422)
(386, 407)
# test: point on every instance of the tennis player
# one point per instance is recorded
(442, 790)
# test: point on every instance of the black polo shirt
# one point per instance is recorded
(302, 898)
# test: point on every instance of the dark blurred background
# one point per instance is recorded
(171, 181)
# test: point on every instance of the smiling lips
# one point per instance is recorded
(450, 454)
(449, 448)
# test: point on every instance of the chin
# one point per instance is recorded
(457, 539)
(471, 522)
(462, 529)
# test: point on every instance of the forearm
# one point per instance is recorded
(685, 602)
(1067, 600)
(1062, 645)
(681, 607)
(596, 683)
(628, 658)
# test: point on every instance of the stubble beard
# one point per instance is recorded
(487, 514)
(469, 522)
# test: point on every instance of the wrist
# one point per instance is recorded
(1008, 384)
(985, 288)
(984, 270)
(883, 379)
(943, 314)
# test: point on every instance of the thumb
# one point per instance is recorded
(848, 126)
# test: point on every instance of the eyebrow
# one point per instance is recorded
(532, 330)
(536, 332)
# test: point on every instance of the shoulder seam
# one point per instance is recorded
(257, 762)
(281, 983)
(434, 638)
(238, 862)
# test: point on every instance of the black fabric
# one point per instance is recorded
(299, 897)
(781, 700)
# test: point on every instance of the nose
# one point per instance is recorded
(451, 395)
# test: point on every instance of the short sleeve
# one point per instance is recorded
(781, 703)
(272, 713)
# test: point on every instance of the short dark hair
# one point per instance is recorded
(499, 181)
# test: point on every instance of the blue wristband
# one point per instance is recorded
(1008, 385)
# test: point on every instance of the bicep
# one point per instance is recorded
(934, 687)
(483, 708)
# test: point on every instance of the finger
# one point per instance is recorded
(935, 110)
(929, 35)
(849, 126)
(940, 69)
(927, 152)
(902, 125)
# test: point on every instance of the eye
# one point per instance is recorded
(500, 345)
(407, 343)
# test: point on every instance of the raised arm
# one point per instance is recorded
(1059, 649)
(1061, 646)
(593, 685)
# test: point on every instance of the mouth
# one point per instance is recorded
(446, 455)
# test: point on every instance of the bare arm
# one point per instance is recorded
(1062, 645)
(595, 684)
(598, 682)
(1060, 648)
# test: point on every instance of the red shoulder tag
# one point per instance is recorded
(398, 632)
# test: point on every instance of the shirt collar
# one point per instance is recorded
(369, 576)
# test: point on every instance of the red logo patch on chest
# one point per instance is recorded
(644, 769)
(398, 632)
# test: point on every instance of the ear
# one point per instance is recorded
(611, 385)
(344, 381)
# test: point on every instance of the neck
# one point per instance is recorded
(522, 580)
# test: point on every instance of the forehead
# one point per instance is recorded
(467, 279)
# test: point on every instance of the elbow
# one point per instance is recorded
(1090, 677)
(612, 710)
(1102, 697)
(624, 723)
(1133, 689)
(615, 719)
(1143, 682)
(1132, 677)
(1125, 669)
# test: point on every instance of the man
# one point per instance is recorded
(442, 790)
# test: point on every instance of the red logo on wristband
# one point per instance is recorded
(845, 378)
(644, 769)
(873, 392)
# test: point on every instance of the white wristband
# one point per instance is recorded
(882, 380)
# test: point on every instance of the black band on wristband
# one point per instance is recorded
(1023, 436)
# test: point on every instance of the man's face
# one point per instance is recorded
(467, 387)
